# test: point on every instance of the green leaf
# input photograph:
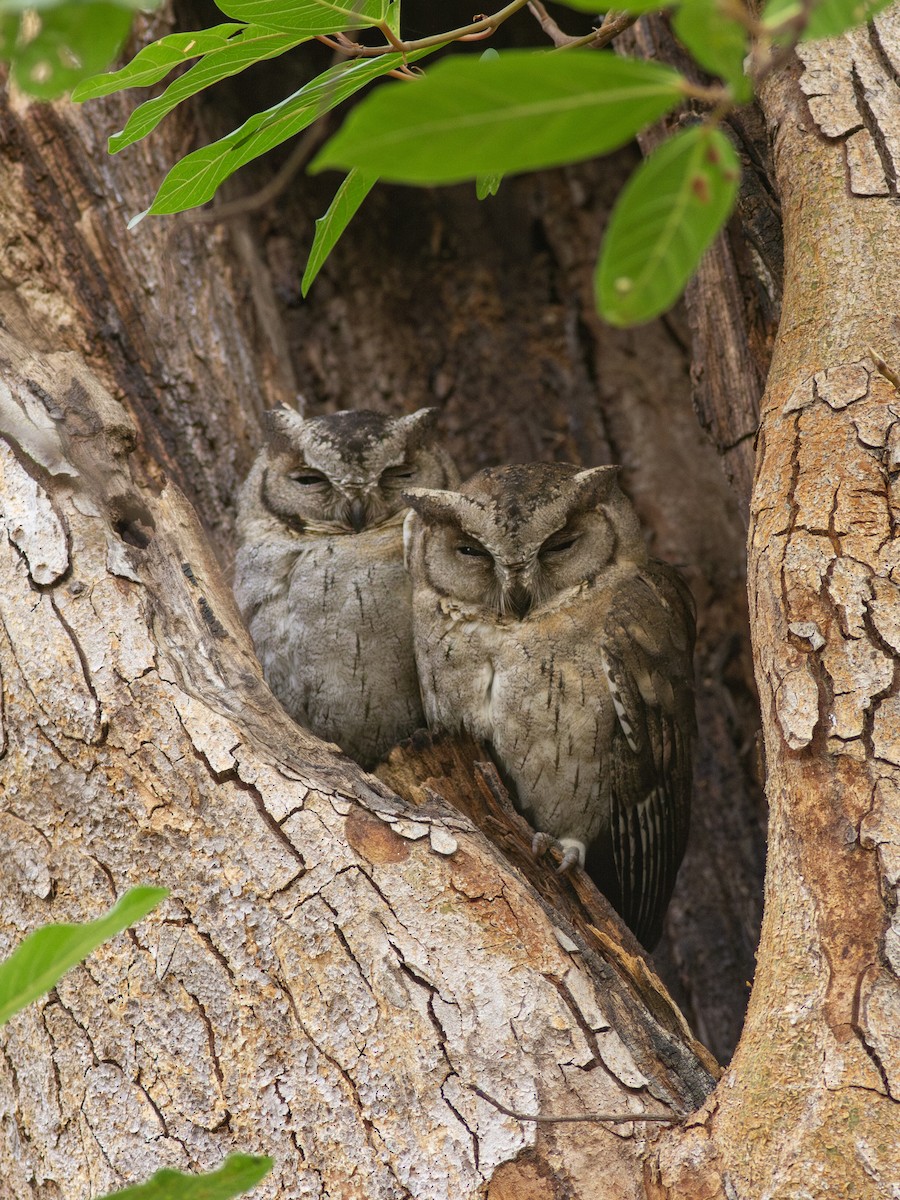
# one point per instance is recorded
(717, 41)
(666, 216)
(529, 110)
(827, 18)
(237, 1174)
(392, 18)
(45, 955)
(832, 17)
(488, 185)
(308, 17)
(251, 45)
(73, 41)
(155, 61)
(777, 12)
(196, 177)
(9, 6)
(329, 228)
(9, 33)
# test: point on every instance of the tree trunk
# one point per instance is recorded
(809, 1103)
(354, 985)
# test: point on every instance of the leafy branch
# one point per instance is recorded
(468, 118)
(475, 31)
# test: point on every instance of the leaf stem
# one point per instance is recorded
(719, 97)
(389, 34)
(483, 27)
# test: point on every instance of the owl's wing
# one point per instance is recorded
(648, 643)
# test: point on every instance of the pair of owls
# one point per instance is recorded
(520, 607)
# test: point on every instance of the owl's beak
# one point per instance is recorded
(357, 514)
(519, 599)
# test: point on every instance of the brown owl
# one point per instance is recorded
(319, 573)
(542, 627)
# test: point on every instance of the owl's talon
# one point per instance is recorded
(541, 843)
(571, 858)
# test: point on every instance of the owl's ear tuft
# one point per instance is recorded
(419, 426)
(407, 537)
(597, 484)
(282, 422)
(437, 506)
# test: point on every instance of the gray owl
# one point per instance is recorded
(543, 628)
(319, 573)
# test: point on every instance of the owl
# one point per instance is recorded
(543, 628)
(319, 573)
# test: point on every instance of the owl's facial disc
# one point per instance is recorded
(344, 473)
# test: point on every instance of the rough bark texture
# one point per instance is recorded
(331, 976)
(809, 1104)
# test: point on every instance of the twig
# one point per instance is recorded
(340, 44)
(484, 26)
(614, 23)
(776, 57)
(609, 1118)
(548, 25)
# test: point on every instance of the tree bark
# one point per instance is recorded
(809, 1103)
(335, 981)
(340, 979)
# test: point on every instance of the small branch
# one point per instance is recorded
(548, 25)
(609, 1118)
(341, 45)
(773, 58)
(454, 35)
(483, 27)
(390, 37)
(613, 24)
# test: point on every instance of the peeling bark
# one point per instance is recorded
(332, 977)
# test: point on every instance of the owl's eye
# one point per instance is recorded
(557, 545)
(472, 550)
(306, 477)
(398, 474)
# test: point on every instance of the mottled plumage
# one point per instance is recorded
(319, 573)
(542, 627)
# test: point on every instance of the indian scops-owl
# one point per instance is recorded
(319, 573)
(542, 627)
